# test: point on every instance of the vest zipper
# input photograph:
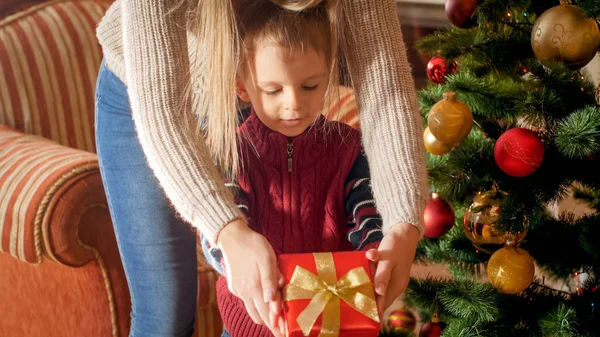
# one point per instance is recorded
(290, 226)
(290, 152)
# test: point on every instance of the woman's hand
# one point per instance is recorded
(394, 258)
(252, 273)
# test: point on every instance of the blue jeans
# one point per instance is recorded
(158, 249)
(225, 334)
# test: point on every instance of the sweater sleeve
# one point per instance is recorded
(364, 225)
(392, 127)
(157, 72)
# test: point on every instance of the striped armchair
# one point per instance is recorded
(60, 266)
(61, 274)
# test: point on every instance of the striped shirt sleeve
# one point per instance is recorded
(212, 253)
(364, 222)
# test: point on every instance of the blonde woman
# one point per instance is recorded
(152, 157)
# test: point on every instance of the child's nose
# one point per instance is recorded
(293, 100)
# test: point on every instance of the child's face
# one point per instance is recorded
(286, 89)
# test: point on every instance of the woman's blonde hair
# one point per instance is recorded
(225, 29)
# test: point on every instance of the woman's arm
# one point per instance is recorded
(158, 75)
(391, 125)
(392, 132)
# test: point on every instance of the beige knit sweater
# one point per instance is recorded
(145, 44)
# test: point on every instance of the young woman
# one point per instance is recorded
(152, 158)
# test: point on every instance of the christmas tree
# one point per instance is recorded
(513, 127)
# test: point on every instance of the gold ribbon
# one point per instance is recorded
(325, 292)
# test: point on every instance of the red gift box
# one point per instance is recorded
(336, 296)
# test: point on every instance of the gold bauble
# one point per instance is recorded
(433, 145)
(450, 120)
(480, 221)
(511, 269)
(565, 33)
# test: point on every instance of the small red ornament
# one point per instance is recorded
(401, 320)
(438, 217)
(460, 12)
(433, 328)
(438, 68)
(519, 152)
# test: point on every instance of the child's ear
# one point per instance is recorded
(240, 90)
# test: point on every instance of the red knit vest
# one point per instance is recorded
(295, 192)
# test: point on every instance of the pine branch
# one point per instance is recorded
(464, 171)
(490, 96)
(453, 250)
(564, 232)
(560, 322)
(591, 7)
(570, 91)
(587, 195)
(449, 44)
(465, 328)
(578, 135)
(492, 11)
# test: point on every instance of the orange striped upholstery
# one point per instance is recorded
(49, 59)
(345, 110)
(32, 169)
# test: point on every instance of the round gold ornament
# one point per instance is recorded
(565, 33)
(511, 269)
(433, 145)
(450, 120)
(481, 221)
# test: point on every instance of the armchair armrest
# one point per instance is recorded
(51, 200)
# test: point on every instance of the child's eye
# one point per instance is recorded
(272, 92)
(310, 88)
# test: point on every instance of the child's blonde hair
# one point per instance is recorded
(229, 28)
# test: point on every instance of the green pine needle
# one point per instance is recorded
(591, 7)
(470, 300)
(578, 135)
(560, 322)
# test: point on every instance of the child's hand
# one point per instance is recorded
(393, 260)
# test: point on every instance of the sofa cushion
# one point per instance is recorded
(49, 60)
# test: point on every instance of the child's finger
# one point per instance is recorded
(275, 307)
(282, 325)
(372, 255)
(273, 319)
(281, 280)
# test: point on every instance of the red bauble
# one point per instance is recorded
(459, 12)
(401, 320)
(438, 217)
(431, 329)
(437, 69)
(519, 152)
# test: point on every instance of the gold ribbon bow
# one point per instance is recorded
(325, 292)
